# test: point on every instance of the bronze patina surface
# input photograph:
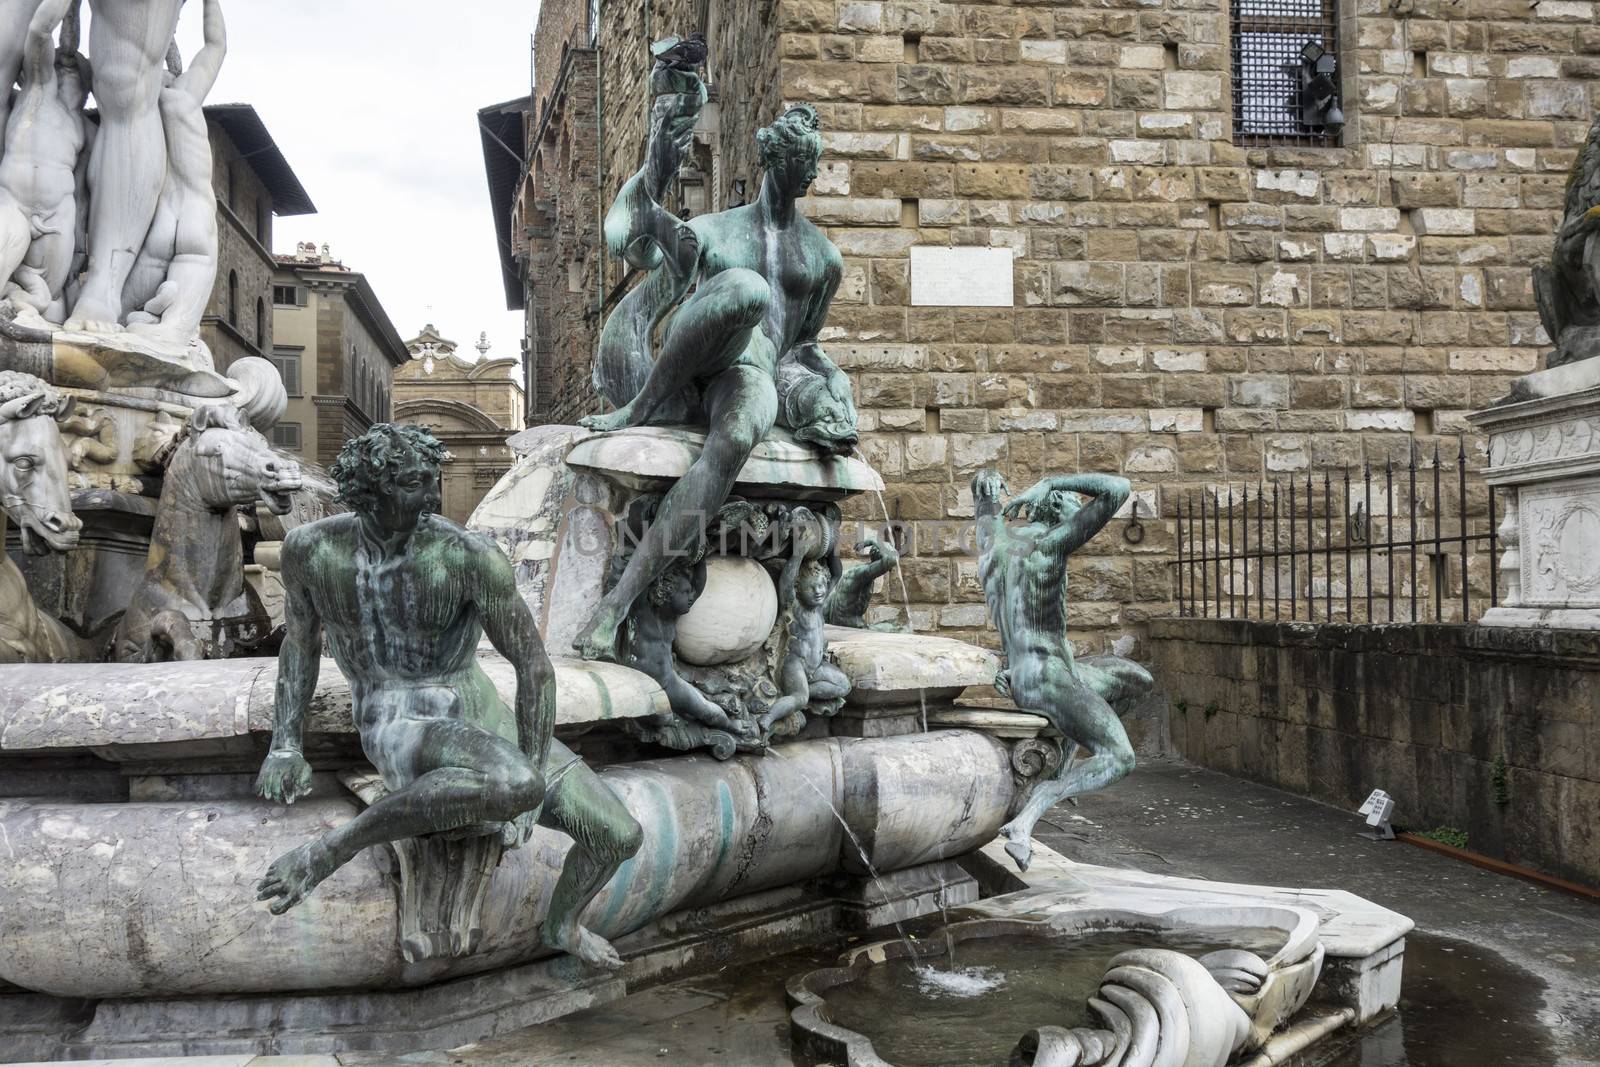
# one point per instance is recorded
(1023, 568)
(403, 596)
(741, 353)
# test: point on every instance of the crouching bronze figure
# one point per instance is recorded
(403, 595)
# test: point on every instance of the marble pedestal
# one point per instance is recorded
(1544, 446)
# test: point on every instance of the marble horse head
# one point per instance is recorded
(229, 464)
(33, 463)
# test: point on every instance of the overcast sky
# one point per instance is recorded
(374, 104)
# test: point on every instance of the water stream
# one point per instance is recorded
(900, 574)
(973, 979)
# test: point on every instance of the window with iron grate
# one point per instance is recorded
(1285, 72)
(286, 435)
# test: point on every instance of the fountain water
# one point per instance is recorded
(900, 574)
(972, 982)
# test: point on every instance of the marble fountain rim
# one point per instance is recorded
(805, 991)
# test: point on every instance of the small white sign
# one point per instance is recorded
(964, 276)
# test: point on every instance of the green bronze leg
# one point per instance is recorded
(604, 836)
(1082, 716)
(708, 335)
(467, 776)
(743, 404)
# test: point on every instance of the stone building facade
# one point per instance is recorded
(470, 405)
(1188, 304)
(336, 350)
(253, 184)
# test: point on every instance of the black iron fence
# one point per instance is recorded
(1382, 543)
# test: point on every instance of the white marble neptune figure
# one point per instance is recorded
(109, 229)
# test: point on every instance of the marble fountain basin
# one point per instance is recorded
(155, 899)
(1058, 985)
(132, 840)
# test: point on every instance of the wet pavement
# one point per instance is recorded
(1498, 972)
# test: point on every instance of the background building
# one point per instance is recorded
(471, 406)
(336, 349)
(253, 183)
(1090, 238)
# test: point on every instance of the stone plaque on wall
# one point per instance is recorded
(961, 277)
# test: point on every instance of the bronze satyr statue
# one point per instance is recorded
(1024, 573)
(403, 595)
(740, 353)
(805, 677)
(653, 626)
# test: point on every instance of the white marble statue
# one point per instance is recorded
(38, 181)
(109, 227)
(128, 165)
(171, 282)
(14, 18)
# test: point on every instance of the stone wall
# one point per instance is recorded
(1490, 730)
(565, 249)
(741, 71)
(1187, 311)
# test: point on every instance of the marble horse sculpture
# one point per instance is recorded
(193, 602)
(403, 596)
(749, 291)
(39, 165)
(1567, 289)
(1023, 569)
(34, 495)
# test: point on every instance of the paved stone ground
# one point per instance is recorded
(1498, 972)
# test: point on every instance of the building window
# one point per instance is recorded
(233, 188)
(286, 435)
(289, 295)
(263, 223)
(1285, 72)
(287, 360)
(233, 299)
(261, 322)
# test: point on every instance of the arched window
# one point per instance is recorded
(262, 215)
(233, 299)
(261, 323)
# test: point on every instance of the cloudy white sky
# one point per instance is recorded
(374, 104)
